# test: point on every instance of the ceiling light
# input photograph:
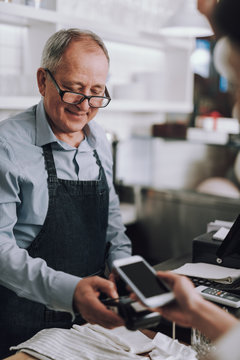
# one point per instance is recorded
(188, 22)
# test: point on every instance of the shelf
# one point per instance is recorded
(21, 14)
(42, 22)
(25, 15)
(149, 106)
(17, 102)
(23, 102)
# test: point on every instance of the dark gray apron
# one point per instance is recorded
(72, 239)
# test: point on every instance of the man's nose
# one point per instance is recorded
(84, 105)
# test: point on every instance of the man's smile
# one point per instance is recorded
(76, 113)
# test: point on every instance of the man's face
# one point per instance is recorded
(83, 69)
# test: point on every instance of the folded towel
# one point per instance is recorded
(216, 273)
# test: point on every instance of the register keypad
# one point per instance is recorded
(233, 288)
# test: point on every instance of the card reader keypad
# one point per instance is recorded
(222, 294)
(233, 288)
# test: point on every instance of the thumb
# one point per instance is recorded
(106, 286)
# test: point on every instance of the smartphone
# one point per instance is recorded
(142, 279)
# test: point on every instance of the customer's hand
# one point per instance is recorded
(86, 302)
(191, 310)
(206, 7)
(187, 299)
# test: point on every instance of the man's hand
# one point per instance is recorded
(114, 277)
(86, 302)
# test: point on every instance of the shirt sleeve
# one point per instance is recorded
(120, 244)
(227, 347)
(28, 277)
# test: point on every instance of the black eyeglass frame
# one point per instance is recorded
(62, 92)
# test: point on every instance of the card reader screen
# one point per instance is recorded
(147, 283)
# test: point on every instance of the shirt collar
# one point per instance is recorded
(45, 135)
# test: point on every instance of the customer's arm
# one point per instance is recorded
(191, 310)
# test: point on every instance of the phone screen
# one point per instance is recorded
(147, 283)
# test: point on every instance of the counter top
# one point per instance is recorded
(20, 356)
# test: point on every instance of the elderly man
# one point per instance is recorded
(60, 221)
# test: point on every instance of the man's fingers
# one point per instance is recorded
(96, 312)
(87, 303)
(105, 286)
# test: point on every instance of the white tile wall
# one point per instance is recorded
(11, 58)
(15, 78)
(134, 161)
(11, 45)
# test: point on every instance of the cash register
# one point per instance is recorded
(224, 253)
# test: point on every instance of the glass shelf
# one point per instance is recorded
(41, 22)
(25, 15)
(23, 102)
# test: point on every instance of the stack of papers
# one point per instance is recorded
(207, 136)
(216, 273)
(217, 224)
(221, 234)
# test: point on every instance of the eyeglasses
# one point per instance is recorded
(74, 98)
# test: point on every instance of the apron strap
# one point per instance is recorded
(49, 162)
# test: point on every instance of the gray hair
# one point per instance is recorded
(59, 41)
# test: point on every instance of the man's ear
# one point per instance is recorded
(41, 80)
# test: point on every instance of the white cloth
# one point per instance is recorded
(166, 348)
(88, 342)
(93, 342)
(132, 341)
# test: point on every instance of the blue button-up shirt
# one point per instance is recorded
(24, 202)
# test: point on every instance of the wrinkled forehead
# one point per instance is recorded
(83, 53)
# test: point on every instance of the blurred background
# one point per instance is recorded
(171, 122)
